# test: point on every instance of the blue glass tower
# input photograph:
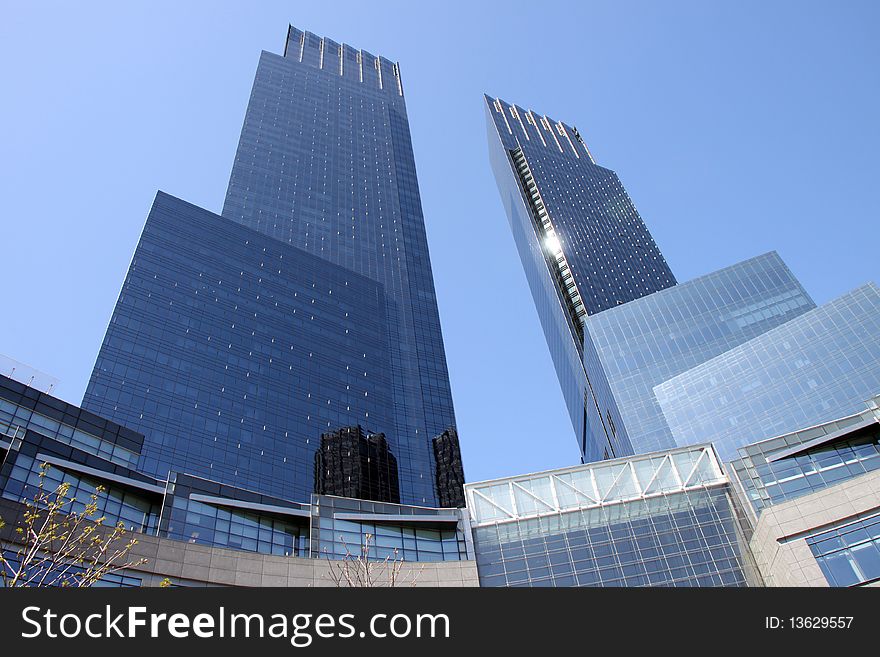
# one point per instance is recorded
(584, 248)
(307, 307)
(812, 369)
(645, 342)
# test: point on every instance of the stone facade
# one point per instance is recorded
(191, 564)
(779, 543)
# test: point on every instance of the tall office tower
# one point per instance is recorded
(307, 307)
(812, 369)
(584, 248)
(642, 344)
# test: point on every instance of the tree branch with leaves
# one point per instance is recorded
(56, 545)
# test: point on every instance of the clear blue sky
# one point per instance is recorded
(736, 127)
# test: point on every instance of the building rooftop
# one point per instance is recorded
(594, 484)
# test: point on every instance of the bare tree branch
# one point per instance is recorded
(361, 571)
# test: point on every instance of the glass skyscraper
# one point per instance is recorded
(618, 325)
(306, 308)
(812, 369)
(645, 342)
(584, 249)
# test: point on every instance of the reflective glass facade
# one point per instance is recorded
(57, 577)
(81, 448)
(849, 554)
(814, 368)
(205, 512)
(232, 352)
(23, 408)
(193, 509)
(663, 519)
(408, 533)
(645, 342)
(584, 249)
(308, 307)
(138, 512)
(610, 253)
(803, 462)
(325, 164)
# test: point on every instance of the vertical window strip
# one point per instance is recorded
(396, 68)
(500, 110)
(531, 119)
(565, 132)
(515, 115)
(546, 123)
